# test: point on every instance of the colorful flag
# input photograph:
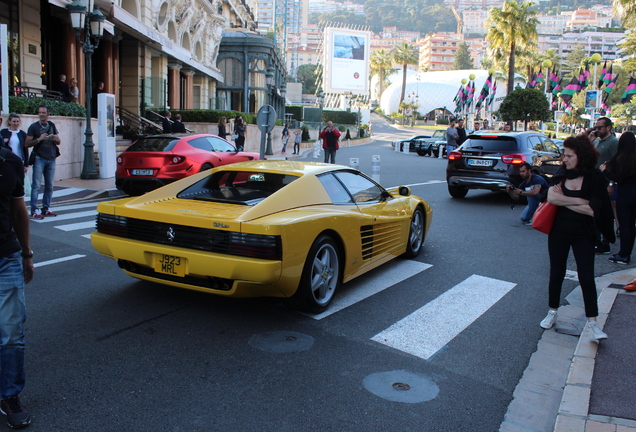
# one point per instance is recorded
(471, 93)
(553, 80)
(609, 87)
(491, 98)
(531, 81)
(558, 86)
(538, 79)
(485, 91)
(571, 89)
(630, 91)
(586, 77)
(607, 78)
(601, 80)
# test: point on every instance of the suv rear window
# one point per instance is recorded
(154, 144)
(490, 144)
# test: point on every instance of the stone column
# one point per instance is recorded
(188, 97)
(174, 88)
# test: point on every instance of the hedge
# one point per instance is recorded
(24, 105)
(212, 116)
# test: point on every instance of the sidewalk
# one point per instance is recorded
(572, 384)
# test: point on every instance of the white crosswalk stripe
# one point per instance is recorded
(372, 283)
(77, 226)
(58, 193)
(66, 216)
(430, 328)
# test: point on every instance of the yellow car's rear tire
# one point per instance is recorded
(416, 234)
(321, 276)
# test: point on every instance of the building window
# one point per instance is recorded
(232, 70)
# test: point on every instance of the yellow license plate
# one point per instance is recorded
(170, 265)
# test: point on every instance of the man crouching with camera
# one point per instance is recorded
(532, 187)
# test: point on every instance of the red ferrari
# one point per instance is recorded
(155, 161)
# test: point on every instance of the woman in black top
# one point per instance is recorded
(239, 129)
(222, 129)
(580, 192)
(621, 168)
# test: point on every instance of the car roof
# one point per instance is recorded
(283, 167)
(181, 135)
(505, 133)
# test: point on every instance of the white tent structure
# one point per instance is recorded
(436, 90)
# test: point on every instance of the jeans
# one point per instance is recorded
(583, 249)
(330, 153)
(46, 167)
(528, 212)
(12, 317)
(285, 141)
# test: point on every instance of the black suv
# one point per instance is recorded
(490, 160)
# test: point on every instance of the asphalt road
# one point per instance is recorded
(106, 352)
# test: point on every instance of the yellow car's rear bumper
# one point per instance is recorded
(227, 275)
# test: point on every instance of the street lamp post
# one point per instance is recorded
(93, 28)
(269, 77)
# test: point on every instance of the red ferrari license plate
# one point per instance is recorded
(141, 172)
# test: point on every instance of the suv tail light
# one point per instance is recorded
(454, 155)
(515, 159)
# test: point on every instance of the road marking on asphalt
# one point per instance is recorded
(76, 226)
(67, 216)
(58, 260)
(74, 206)
(427, 330)
(58, 193)
(372, 283)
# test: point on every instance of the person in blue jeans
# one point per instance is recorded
(532, 187)
(44, 138)
(16, 269)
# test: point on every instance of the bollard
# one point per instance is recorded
(440, 148)
(354, 163)
(396, 147)
(317, 146)
(375, 168)
(405, 148)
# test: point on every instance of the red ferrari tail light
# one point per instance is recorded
(515, 159)
(177, 160)
(454, 155)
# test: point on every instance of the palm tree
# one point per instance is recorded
(625, 9)
(513, 29)
(381, 63)
(405, 54)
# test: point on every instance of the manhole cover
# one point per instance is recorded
(401, 386)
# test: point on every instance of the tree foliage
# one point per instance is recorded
(308, 74)
(513, 31)
(463, 60)
(404, 55)
(526, 105)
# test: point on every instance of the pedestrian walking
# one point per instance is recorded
(330, 137)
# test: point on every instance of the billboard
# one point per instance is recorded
(346, 60)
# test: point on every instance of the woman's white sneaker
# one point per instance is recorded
(596, 333)
(549, 320)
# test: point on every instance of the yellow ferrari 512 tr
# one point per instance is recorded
(277, 228)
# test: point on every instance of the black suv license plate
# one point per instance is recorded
(480, 162)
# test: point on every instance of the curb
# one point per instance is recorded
(573, 414)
